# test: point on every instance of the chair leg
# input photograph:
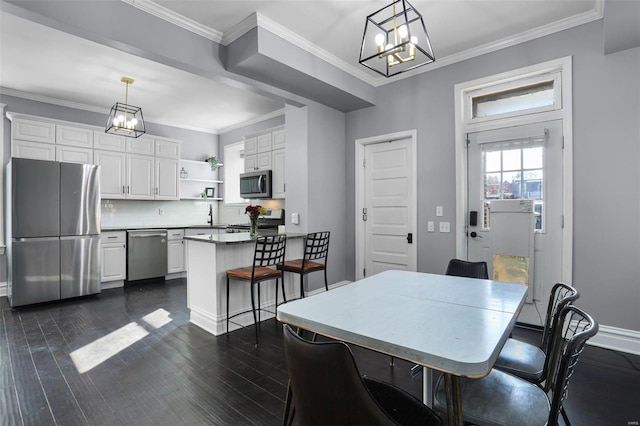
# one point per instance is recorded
(565, 417)
(284, 295)
(326, 284)
(227, 304)
(301, 286)
(259, 304)
(253, 308)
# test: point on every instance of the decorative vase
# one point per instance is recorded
(253, 230)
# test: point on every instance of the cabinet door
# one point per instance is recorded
(250, 146)
(108, 142)
(264, 143)
(167, 179)
(264, 161)
(112, 173)
(33, 150)
(175, 256)
(167, 148)
(250, 163)
(141, 145)
(72, 154)
(74, 136)
(34, 131)
(277, 175)
(114, 258)
(277, 139)
(140, 177)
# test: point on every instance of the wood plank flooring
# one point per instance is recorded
(131, 357)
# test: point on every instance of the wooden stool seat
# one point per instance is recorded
(259, 273)
(298, 266)
(316, 247)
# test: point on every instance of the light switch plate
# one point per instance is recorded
(439, 211)
(445, 227)
(431, 226)
(295, 218)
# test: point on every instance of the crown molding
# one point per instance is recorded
(162, 12)
(274, 114)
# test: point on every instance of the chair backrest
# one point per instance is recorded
(462, 268)
(317, 246)
(269, 250)
(561, 295)
(326, 385)
(573, 330)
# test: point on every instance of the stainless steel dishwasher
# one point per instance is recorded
(146, 254)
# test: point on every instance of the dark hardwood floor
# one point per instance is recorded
(131, 357)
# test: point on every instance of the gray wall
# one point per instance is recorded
(606, 99)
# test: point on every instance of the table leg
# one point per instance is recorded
(454, 399)
(427, 386)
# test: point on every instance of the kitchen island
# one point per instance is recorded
(208, 259)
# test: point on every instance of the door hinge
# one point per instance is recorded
(364, 162)
(364, 272)
(563, 142)
(468, 141)
(364, 214)
(562, 221)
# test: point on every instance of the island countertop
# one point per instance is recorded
(236, 238)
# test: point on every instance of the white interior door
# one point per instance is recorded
(389, 207)
(519, 163)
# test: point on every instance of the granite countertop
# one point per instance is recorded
(237, 237)
(127, 228)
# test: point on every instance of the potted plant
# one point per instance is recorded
(213, 162)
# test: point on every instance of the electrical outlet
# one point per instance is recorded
(431, 226)
(439, 211)
(445, 227)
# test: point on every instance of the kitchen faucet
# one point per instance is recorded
(210, 220)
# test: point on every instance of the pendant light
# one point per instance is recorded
(395, 40)
(125, 119)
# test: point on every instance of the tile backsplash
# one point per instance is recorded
(161, 213)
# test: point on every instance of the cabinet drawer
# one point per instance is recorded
(175, 234)
(113, 237)
(190, 232)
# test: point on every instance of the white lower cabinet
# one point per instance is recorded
(113, 252)
(175, 251)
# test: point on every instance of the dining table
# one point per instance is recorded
(455, 325)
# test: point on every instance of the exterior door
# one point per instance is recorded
(519, 163)
(389, 212)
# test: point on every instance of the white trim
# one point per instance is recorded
(360, 196)
(3, 288)
(163, 13)
(3, 143)
(617, 339)
(273, 114)
(257, 19)
(565, 114)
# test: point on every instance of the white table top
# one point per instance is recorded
(452, 324)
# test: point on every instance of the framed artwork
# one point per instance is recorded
(209, 192)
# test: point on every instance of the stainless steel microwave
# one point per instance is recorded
(256, 184)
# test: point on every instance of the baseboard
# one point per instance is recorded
(331, 286)
(3, 289)
(617, 339)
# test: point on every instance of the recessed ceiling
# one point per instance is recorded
(46, 62)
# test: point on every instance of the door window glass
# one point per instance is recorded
(513, 170)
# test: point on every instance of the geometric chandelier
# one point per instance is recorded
(125, 119)
(395, 40)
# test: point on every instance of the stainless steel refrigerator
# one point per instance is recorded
(53, 227)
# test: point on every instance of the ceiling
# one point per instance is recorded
(49, 64)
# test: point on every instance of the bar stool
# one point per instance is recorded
(269, 251)
(316, 248)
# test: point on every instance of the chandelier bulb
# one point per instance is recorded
(414, 40)
(380, 39)
(402, 31)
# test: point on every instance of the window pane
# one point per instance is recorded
(532, 158)
(533, 184)
(511, 185)
(492, 186)
(511, 159)
(518, 99)
(492, 161)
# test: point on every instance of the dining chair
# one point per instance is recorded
(269, 251)
(463, 268)
(327, 389)
(316, 251)
(525, 360)
(504, 399)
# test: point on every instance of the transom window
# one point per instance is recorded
(513, 170)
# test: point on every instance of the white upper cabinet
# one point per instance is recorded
(141, 145)
(278, 139)
(140, 177)
(108, 142)
(33, 150)
(277, 175)
(112, 173)
(167, 179)
(250, 146)
(167, 148)
(74, 136)
(33, 130)
(74, 154)
(264, 143)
